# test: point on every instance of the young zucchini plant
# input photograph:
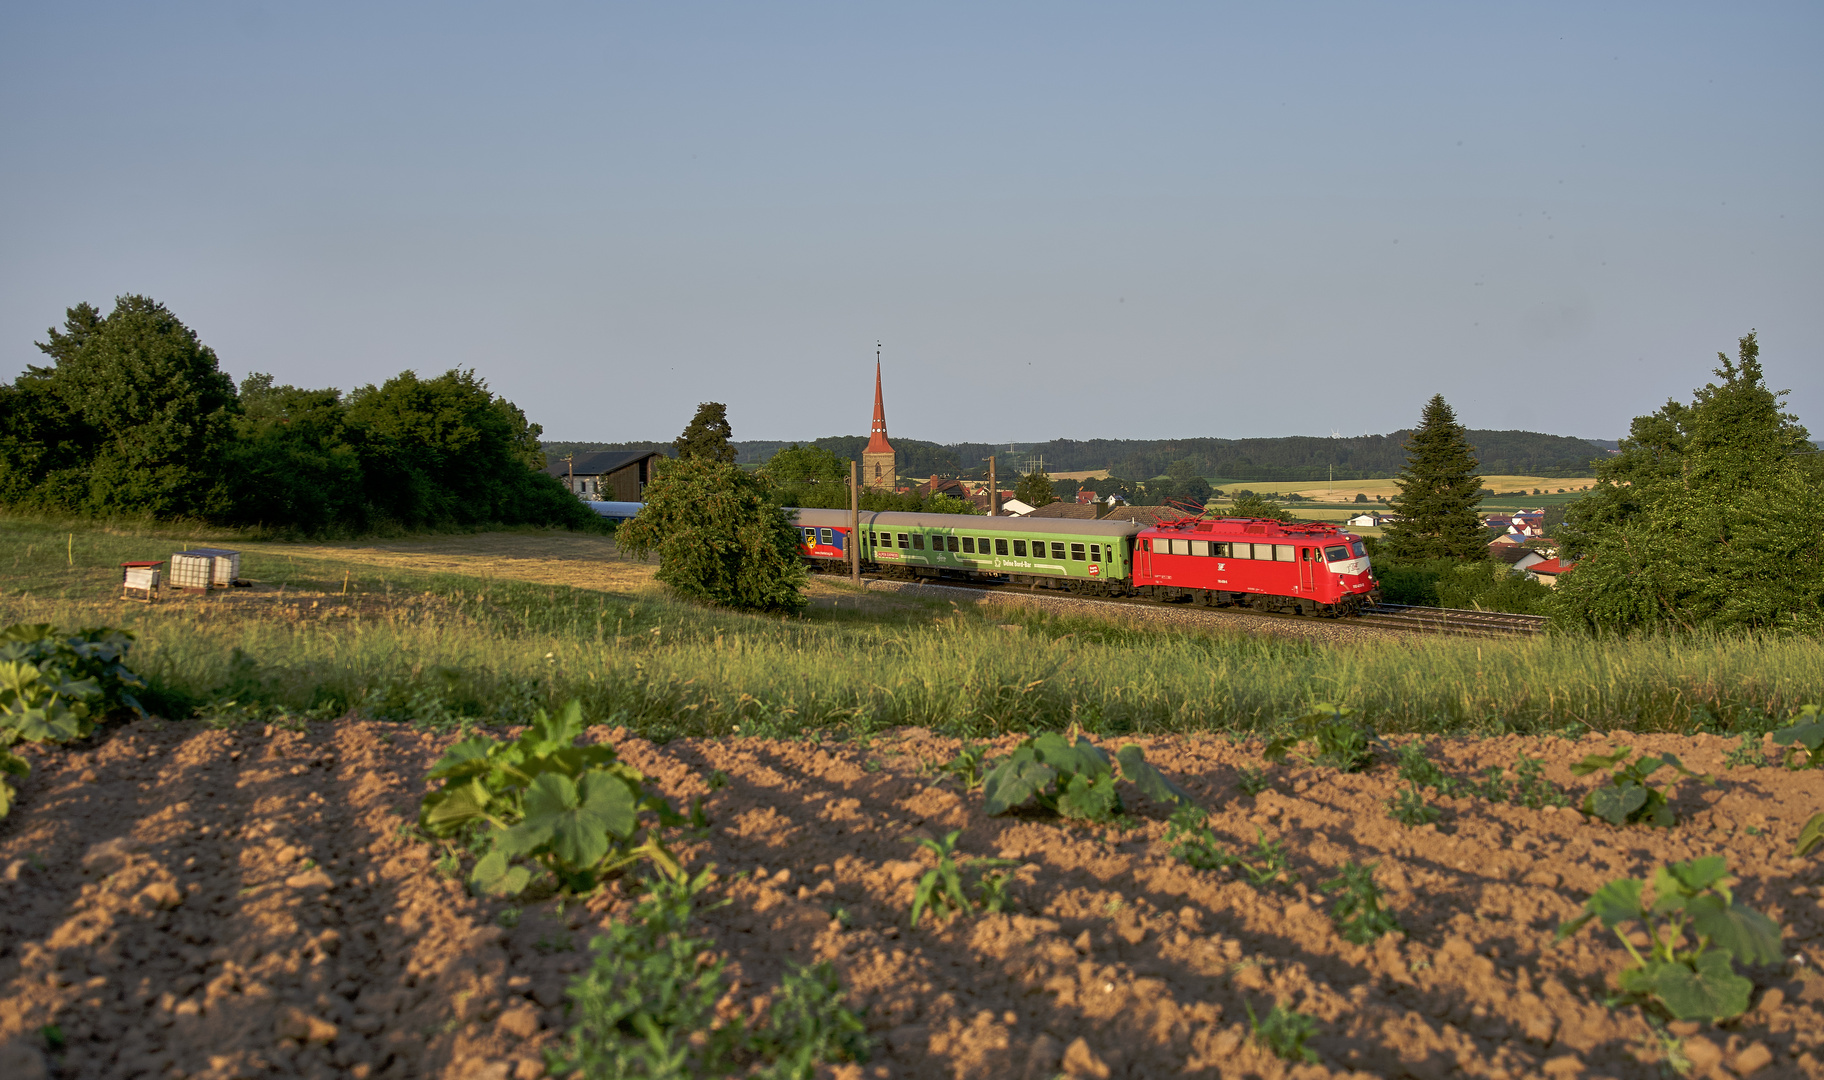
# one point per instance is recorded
(1804, 740)
(1073, 778)
(1327, 736)
(1627, 799)
(1695, 931)
(572, 810)
(1811, 834)
(56, 687)
(1283, 1032)
(1195, 844)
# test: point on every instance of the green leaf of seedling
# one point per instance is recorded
(450, 808)
(1080, 756)
(494, 876)
(1151, 782)
(1571, 926)
(1016, 782)
(1810, 836)
(467, 758)
(578, 818)
(1743, 933)
(1614, 804)
(1616, 902)
(1599, 762)
(1088, 799)
(1713, 991)
(1690, 878)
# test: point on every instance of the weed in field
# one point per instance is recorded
(1283, 1032)
(1358, 913)
(1747, 754)
(941, 889)
(508, 917)
(970, 766)
(808, 1026)
(1073, 778)
(53, 1037)
(1804, 740)
(1410, 809)
(1421, 772)
(1692, 907)
(1267, 864)
(448, 864)
(1627, 798)
(1531, 788)
(1325, 735)
(647, 1006)
(717, 780)
(573, 810)
(1192, 841)
(1252, 781)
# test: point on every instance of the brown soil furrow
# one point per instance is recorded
(248, 907)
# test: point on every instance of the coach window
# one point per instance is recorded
(827, 536)
(903, 540)
(968, 545)
(981, 545)
(1095, 553)
(1019, 548)
(1000, 546)
(952, 543)
(918, 541)
(1057, 551)
(1076, 553)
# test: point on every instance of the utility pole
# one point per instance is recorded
(570, 461)
(994, 491)
(855, 522)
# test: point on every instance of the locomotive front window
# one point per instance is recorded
(1336, 554)
(1000, 546)
(1360, 551)
(1019, 548)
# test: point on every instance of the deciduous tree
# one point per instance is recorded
(720, 535)
(1709, 516)
(1439, 492)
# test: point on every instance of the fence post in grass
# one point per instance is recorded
(855, 522)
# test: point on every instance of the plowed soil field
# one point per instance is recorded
(184, 902)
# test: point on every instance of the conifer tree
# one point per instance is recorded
(1439, 492)
(708, 435)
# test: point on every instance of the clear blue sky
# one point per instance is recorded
(1063, 220)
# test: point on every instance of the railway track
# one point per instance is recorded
(1455, 620)
(1407, 617)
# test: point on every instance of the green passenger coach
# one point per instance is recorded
(1081, 556)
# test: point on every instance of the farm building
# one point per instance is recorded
(606, 475)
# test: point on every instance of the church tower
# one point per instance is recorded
(879, 464)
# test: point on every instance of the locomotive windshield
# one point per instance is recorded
(1336, 554)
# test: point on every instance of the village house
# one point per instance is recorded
(605, 475)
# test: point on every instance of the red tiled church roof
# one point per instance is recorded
(877, 434)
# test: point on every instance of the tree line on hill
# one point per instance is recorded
(1288, 458)
(134, 416)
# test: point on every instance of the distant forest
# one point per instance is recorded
(1295, 457)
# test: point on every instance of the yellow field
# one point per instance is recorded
(1345, 490)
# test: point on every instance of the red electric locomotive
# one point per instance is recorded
(1311, 568)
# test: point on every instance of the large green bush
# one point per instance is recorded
(720, 535)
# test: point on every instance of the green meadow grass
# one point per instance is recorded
(447, 649)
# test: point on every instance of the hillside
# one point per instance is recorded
(1287, 458)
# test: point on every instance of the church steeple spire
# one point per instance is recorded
(877, 433)
(879, 464)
